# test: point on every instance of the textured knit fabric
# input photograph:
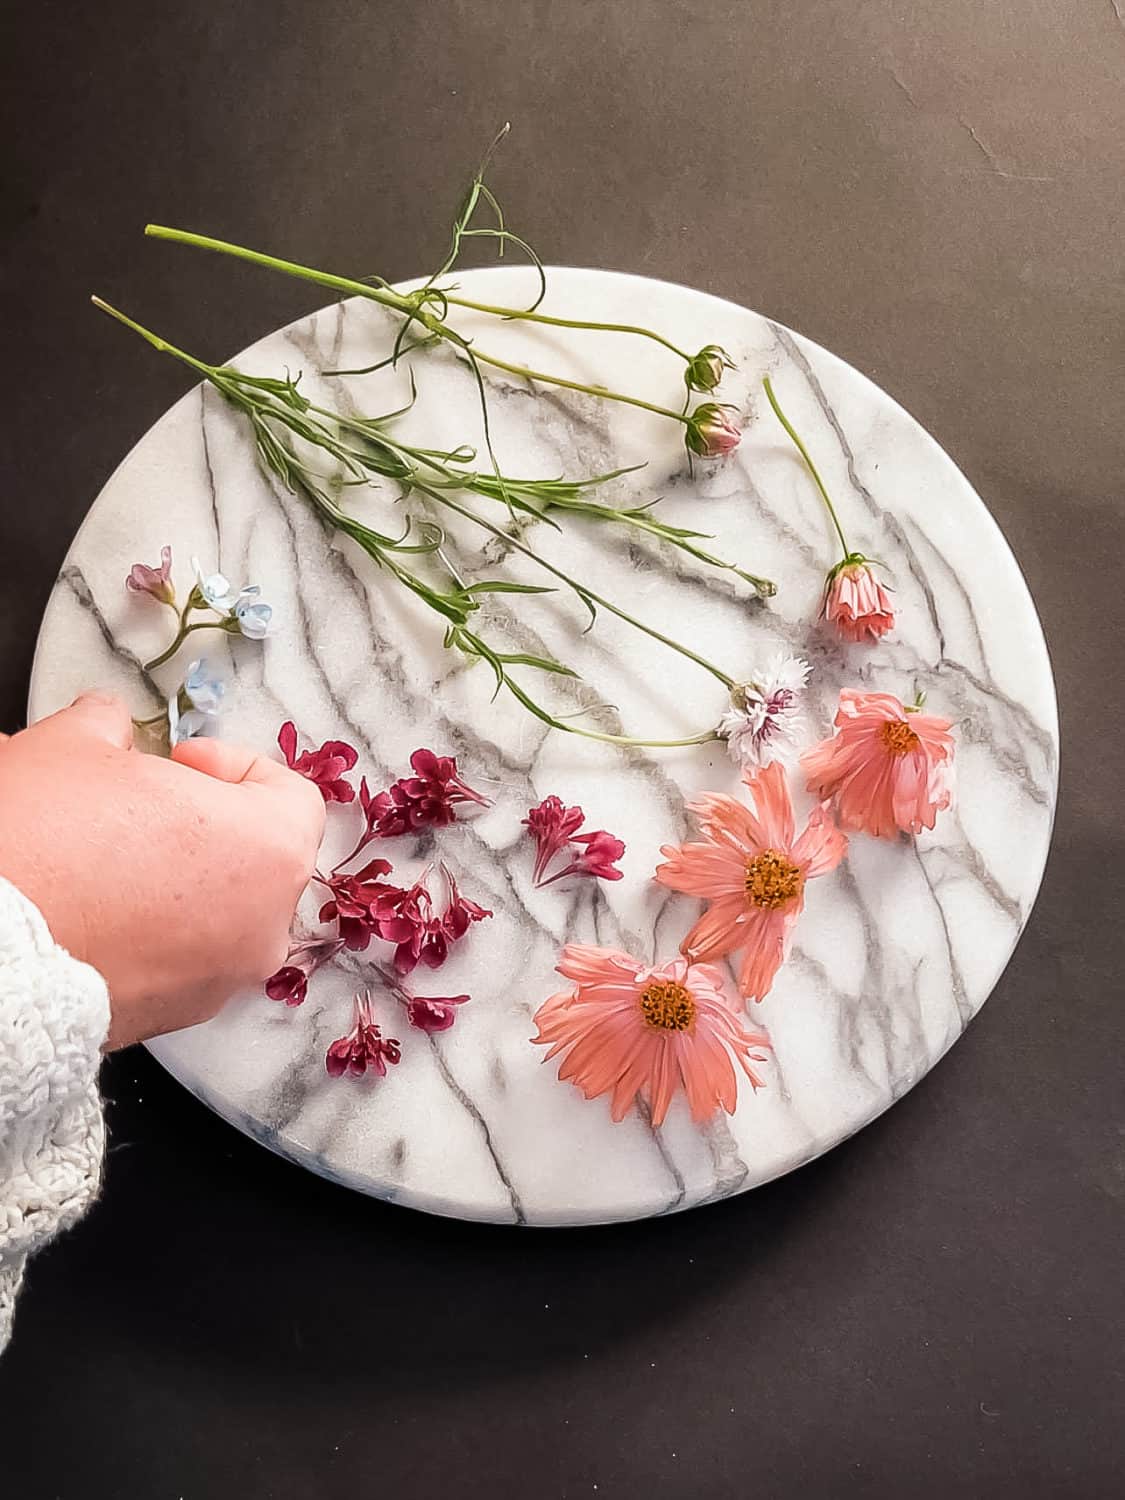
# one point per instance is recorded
(54, 1012)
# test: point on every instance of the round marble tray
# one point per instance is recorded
(896, 951)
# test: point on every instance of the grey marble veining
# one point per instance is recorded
(896, 951)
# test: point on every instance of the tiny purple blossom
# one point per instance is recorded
(154, 581)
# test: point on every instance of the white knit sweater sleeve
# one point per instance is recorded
(54, 1012)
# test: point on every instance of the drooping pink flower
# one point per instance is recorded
(355, 903)
(429, 798)
(856, 604)
(752, 870)
(291, 982)
(632, 1032)
(433, 1013)
(710, 431)
(554, 826)
(887, 770)
(324, 767)
(154, 581)
(364, 1047)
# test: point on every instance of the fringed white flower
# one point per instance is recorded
(765, 720)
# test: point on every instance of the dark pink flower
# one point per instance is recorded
(406, 918)
(291, 982)
(432, 1013)
(364, 1047)
(355, 902)
(460, 913)
(551, 825)
(155, 581)
(426, 799)
(554, 827)
(856, 603)
(324, 767)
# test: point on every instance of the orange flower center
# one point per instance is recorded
(771, 880)
(668, 1006)
(898, 737)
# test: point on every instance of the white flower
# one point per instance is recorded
(194, 708)
(764, 721)
(214, 589)
(253, 618)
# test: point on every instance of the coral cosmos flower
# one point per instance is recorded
(887, 769)
(710, 432)
(752, 869)
(155, 581)
(856, 604)
(554, 827)
(364, 1046)
(765, 719)
(632, 1032)
(324, 767)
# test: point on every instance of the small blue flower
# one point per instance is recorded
(253, 618)
(194, 708)
(214, 589)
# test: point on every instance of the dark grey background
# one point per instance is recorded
(934, 192)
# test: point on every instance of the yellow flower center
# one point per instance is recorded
(898, 737)
(771, 880)
(668, 1006)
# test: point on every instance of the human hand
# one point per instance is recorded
(177, 880)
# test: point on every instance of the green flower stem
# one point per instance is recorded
(181, 636)
(584, 593)
(513, 315)
(804, 452)
(398, 302)
(148, 723)
(576, 385)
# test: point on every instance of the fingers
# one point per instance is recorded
(99, 715)
(239, 765)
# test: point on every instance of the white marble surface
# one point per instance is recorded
(896, 951)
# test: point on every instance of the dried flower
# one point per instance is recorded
(710, 432)
(324, 767)
(364, 1047)
(194, 708)
(291, 982)
(155, 581)
(752, 870)
(426, 799)
(705, 370)
(432, 1013)
(856, 604)
(888, 768)
(554, 827)
(634, 1031)
(764, 720)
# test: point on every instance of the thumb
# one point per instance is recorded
(99, 715)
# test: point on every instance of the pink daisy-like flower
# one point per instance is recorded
(887, 770)
(632, 1032)
(752, 869)
(856, 604)
(324, 767)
